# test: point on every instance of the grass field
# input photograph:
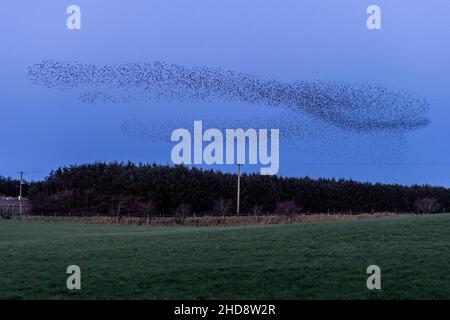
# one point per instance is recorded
(326, 260)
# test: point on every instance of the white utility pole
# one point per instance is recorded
(20, 193)
(238, 188)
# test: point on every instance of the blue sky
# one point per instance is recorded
(291, 40)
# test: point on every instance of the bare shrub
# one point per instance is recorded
(145, 208)
(222, 207)
(427, 205)
(287, 208)
(181, 212)
(256, 210)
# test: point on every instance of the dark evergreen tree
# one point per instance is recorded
(147, 189)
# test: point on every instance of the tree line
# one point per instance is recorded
(10, 187)
(155, 190)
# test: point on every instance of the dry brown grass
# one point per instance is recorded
(210, 221)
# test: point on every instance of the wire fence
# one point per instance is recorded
(14, 209)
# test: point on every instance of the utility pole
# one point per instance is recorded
(238, 187)
(20, 193)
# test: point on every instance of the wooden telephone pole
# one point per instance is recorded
(238, 188)
(20, 193)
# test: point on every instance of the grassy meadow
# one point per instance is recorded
(323, 260)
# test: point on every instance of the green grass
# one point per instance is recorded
(326, 260)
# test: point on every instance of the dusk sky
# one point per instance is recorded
(288, 41)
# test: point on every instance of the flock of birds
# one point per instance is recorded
(355, 109)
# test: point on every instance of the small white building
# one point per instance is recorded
(12, 205)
